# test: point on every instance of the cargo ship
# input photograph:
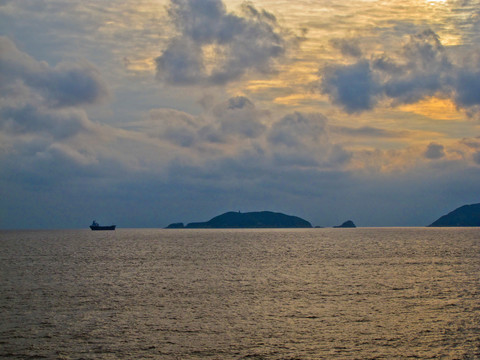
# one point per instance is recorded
(97, 226)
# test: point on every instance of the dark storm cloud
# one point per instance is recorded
(353, 87)
(181, 63)
(67, 84)
(420, 69)
(424, 70)
(434, 151)
(73, 85)
(468, 87)
(59, 124)
(45, 102)
(42, 118)
(253, 41)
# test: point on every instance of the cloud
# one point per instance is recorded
(176, 127)
(420, 69)
(476, 157)
(467, 88)
(221, 130)
(239, 117)
(434, 151)
(368, 131)
(298, 129)
(302, 140)
(59, 124)
(472, 143)
(472, 147)
(424, 70)
(353, 87)
(42, 116)
(236, 129)
(234, 154)
(213, 46)
(347, 47)
(44, 102)
(66, 85)
(181, 63)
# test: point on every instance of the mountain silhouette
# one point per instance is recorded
(346, 224)
(467, 215)
(259, 219)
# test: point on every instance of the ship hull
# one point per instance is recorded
(96, 228)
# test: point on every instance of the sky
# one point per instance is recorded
(148, 112)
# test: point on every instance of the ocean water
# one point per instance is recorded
(365, 293)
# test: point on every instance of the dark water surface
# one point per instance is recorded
(384, 293)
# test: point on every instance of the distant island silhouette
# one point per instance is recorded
(464, 216)
(467, 215)
(254, 220)
(346, 224)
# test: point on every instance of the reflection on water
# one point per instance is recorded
(241, 294)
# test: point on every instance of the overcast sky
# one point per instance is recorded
(148, 112)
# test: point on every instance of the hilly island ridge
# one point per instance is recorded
(258, 219)
(252, 220)
(467, 215)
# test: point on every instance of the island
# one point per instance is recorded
(346, 224)
(467, 215)
(176, 226)
(253, 220)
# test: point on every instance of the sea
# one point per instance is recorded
(364, 293)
